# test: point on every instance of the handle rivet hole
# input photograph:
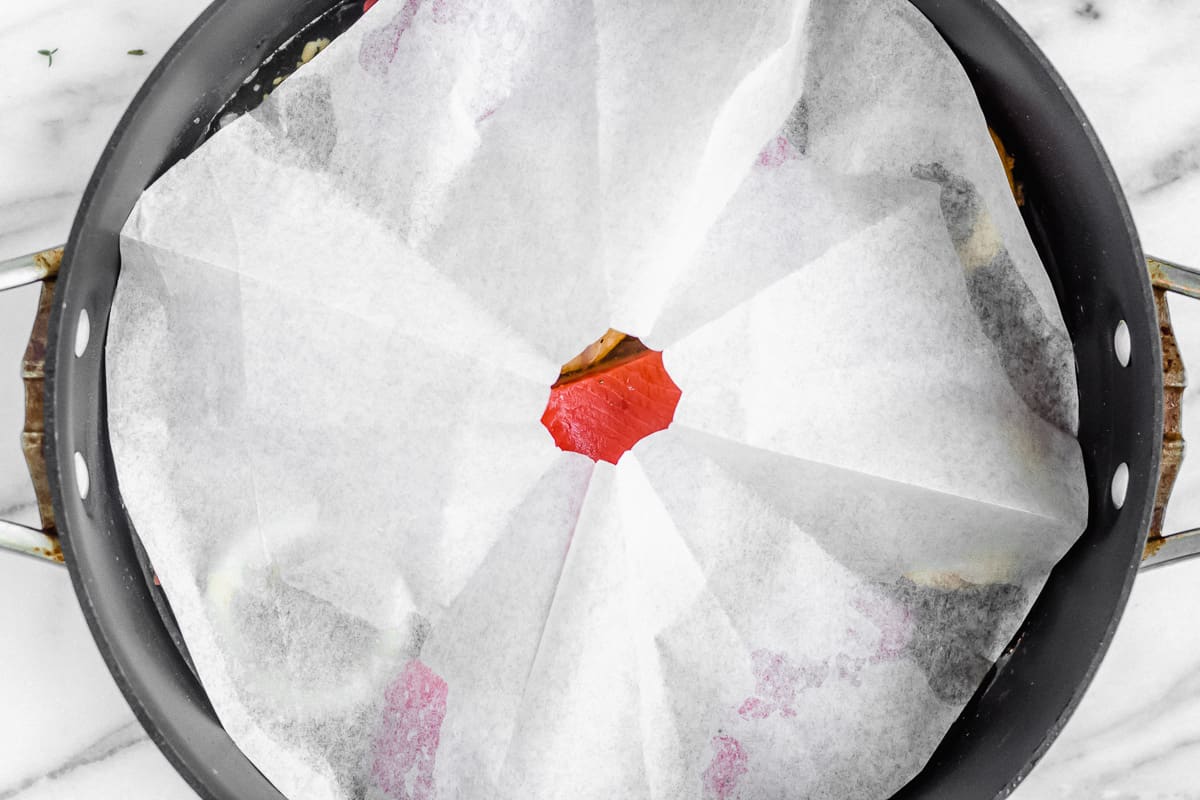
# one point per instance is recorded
(1120, 483)
(82, 479)
(83, 332)
(1121, 343)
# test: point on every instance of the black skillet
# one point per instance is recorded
(1074, 210)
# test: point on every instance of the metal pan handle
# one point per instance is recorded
(41, 266)
(1166, 276)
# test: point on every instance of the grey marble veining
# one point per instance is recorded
(103, 749)
(65, 731)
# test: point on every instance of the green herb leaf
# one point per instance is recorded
(49, 54)
(137, 52)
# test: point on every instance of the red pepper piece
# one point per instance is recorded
(604, 412)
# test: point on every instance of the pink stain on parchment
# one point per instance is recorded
(727, 767)
(446, 10)
(894, 621)
(777, 151)
(777, 682)
(405, 748)
(380, 46)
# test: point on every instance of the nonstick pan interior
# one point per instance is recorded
(1075, 212)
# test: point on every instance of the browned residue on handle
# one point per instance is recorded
(33, 371)
(52, 553)
(1174, 382)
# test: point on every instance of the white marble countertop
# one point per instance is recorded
(65, 731)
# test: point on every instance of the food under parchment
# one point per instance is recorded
(825, 494)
